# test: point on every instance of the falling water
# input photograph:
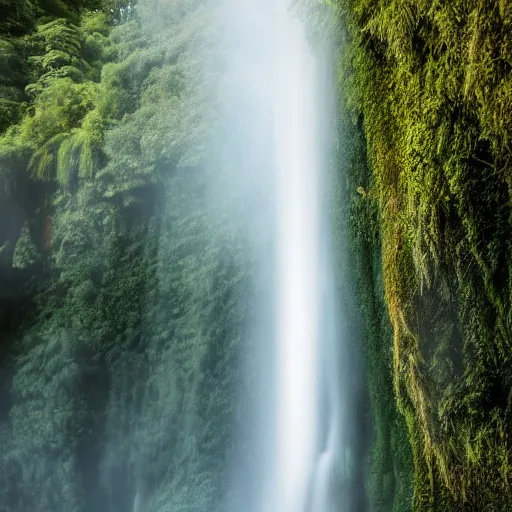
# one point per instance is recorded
(307, 385)
(278, 90)
(297, 167)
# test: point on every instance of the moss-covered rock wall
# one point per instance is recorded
(431, 85)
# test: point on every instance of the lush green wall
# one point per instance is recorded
(430, 85)
(128, 278)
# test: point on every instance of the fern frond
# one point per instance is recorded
(43, 160)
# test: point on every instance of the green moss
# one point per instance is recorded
(433, 82)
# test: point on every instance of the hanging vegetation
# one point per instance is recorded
(431, 84)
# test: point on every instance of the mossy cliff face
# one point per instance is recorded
(431, 83)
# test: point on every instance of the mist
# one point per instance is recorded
(189, 345)
(302, 366)
(267, 94)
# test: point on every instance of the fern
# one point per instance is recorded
(42, 162)
(70, 154)
(76, 156)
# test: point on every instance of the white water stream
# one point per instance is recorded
(296, 429)
(297, 165)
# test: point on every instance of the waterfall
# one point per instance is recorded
(281, 120)
(297, 338)
(307, 384)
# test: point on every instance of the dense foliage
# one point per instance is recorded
(430, 84)
(120, 264)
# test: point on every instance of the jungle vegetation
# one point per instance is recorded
(111, 247)
(103, 165)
